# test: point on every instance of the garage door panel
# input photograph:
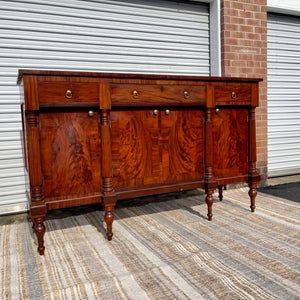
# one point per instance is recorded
(283, 94)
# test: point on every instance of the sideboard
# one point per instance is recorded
(101, 137)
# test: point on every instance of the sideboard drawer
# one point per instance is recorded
(225, 95)
(65, 92)
(147, 93)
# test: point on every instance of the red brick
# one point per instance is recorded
(246, 28)
(237, 34)
(253, 22)
(232, 41)
(238, 63)
(260, 29)
(253, 63)
(246, 43)
(259, 15)
(259, 44)
(236, 5)
(226, 3)
(252, 36)
(245, 14)
(231, 27)
(237, 20)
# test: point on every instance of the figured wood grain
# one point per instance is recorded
(136, 153)
(71, 154)
(180, 139)
(149, 149)
(230, 142)
(243, 94)
(164, 93)
(124, 149)
(31, 98)
(50, 92)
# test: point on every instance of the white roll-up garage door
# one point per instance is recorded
(139, 36)
(283, 95)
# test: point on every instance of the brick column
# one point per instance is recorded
(244, 54)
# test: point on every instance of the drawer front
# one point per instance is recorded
(225, 95)
(65, 92)
(142, 93)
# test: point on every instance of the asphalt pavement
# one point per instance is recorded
(290, 191)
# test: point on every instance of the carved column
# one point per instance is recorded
(210, 183)
(109, 197)
(37, 200)
(253, 176)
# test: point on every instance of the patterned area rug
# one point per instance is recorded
(162, 249)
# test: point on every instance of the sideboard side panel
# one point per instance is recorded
(230, 138)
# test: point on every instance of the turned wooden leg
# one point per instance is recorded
(109, 218)
(33, 224)
(39, 230)
(252, 193)
(209, 201)
(220, 187)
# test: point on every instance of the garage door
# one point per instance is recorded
(283, 95)
(139, 36)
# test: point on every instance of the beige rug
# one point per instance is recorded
(164, 249)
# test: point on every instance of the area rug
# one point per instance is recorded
(163, 248)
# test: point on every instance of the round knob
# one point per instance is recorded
(91, 113)
(135, 94)
(167, 111)
(69, 94)
(233, 95)
(217, 110)
(186, 94)
(155, 112)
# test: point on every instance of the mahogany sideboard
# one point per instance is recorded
(98, 138)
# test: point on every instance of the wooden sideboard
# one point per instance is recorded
(98, 138)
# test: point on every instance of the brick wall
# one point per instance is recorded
(244, 54)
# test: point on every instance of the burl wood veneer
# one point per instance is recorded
(98, 138)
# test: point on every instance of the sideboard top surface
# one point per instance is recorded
(23, 72)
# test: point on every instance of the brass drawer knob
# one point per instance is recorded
(155, 112)
(167, 112)
(91, 113)
(217, 110)
(69, 94)
(233, 95)
(135, 94)
(186, 94)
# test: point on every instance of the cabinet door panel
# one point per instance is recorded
(71, 155)
(136, 152)
(230, 143)
(182, 144)
(152, 149)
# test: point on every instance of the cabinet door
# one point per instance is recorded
(136, 152)
(182, 144)
(70, 153)
(153, 149)
(230, 142)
